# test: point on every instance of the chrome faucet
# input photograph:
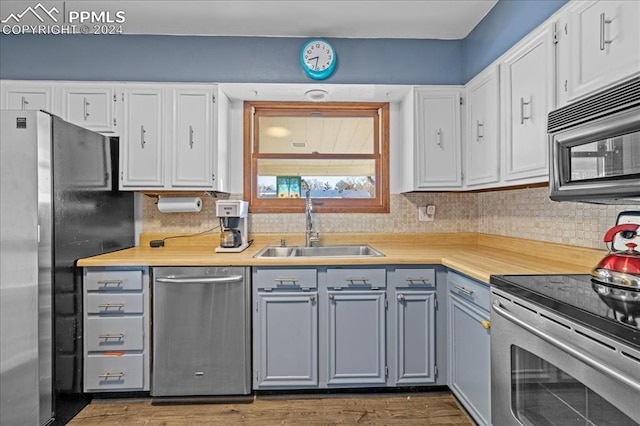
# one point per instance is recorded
(311, 238)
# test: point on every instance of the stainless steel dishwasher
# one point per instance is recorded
(201, 331)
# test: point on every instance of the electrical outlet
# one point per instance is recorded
(426, 213)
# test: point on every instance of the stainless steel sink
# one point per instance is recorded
(275, 251)
(322, 251)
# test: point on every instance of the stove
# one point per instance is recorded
(612, 311)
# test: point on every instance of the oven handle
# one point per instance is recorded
(499, 309)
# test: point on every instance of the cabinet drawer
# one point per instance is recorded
(356, 277)
(415, 277)
(115, 303)
(268, 278)
(104, 372)
(469, 289)
(104, 280)
(108, 334)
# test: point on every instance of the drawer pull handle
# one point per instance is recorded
(109, 375)
(286, 280)
(486, 324)
(105, 283)
(464, 290)
(422, 280)
(363, 279)
(111, 336)
(111, 305)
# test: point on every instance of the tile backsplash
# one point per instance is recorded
(523, 213)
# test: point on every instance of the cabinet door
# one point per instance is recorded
(27, 96)
(527, 77)
(482, 145)
(193, 138)
(142, 156)
(286, 339)
(356, 337)
(469, 358)
(437, 141)
(601, 40)
(92, 107)
(414, 344)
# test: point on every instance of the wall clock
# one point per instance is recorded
(318, 59)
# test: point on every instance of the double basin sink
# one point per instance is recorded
(321, 251)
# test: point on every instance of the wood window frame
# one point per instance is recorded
(380, 204)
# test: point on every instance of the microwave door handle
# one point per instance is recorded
(606, 370)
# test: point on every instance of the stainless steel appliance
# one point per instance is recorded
(59, 202)
(595, 147)
(233, 225)
(561, 353)
(201, 331)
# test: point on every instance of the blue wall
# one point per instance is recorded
(506, 23)
(224, 59)
(269, 60)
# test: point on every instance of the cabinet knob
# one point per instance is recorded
(331, 297)
(401, 297)
(312, 298)
(486, 324)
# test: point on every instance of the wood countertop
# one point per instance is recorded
(476, 255)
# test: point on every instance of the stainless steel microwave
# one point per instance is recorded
(595, 147)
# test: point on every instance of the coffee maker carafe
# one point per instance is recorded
(233, 225)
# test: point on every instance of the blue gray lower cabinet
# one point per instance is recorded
(469, 345)
(344, 327)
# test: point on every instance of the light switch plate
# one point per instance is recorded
(426, 213)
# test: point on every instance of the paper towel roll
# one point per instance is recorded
(179, 204)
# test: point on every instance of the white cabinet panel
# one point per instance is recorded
(27, 96)
(482, 141)
(527, 77)
(437, 143)
(91, 106)
(143, 141)
(193, 138)
(599, 45)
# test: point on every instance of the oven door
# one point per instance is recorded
(547, 370)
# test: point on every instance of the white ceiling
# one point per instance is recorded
(413, 19)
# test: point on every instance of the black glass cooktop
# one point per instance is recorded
(610, 310)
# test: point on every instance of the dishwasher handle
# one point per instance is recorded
(200, 280)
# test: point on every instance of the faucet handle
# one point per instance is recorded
(314, 239)
(283, 242)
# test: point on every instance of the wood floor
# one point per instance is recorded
(432, 408)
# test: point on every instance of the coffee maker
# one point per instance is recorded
(233, 225)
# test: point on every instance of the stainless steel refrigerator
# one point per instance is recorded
(59, 201)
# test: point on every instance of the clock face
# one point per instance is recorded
(318, 59)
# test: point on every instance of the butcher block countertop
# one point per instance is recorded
(474, 254)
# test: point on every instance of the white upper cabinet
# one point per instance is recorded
(482, 137)
(27, 96)
(437, 143)
(91, 105)
(599, 45)
(192, 137)
(527, 79)
(142, 153)
(171, 138)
